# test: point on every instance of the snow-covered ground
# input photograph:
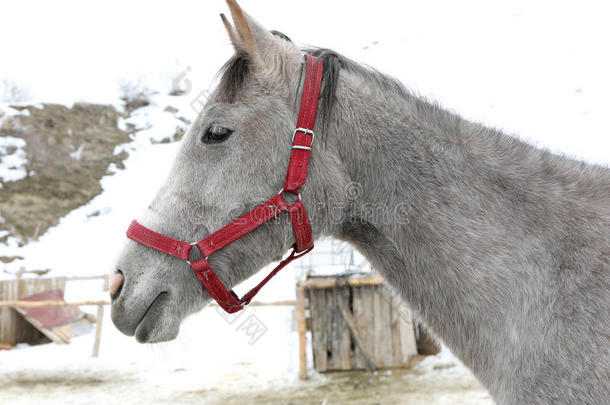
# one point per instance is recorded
(12, 153)
(537, 69)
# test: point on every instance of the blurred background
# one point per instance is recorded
(94, 99)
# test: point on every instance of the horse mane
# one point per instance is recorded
(234, 73)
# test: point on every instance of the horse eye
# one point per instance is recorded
(216, 134)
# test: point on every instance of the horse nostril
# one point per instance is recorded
(116, 284)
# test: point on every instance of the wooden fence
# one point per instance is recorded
(355, 323)
(98, 321)
(371, 331)
(13, 328)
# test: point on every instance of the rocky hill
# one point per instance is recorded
(66, 152)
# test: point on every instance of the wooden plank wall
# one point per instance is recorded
(382, 321)
(319, 326)
(13, 329)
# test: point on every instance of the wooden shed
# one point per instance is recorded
(355, 323)
(13, 327)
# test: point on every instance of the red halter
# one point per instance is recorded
(295, 178)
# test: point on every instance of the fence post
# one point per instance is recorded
(98, 330)
(106, 282)
(300, 309)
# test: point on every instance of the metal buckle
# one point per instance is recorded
(305, 131)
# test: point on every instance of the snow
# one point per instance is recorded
(154, 363)
(12, 163)
(155, 124)
(13, 158)
(536, 69)
(76, 155)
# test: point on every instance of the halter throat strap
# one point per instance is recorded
(296, 175)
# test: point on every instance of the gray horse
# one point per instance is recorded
(502, 249)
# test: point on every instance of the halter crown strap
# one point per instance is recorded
(303, 134)
(295, 178)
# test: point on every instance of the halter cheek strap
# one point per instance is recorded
(302, 141)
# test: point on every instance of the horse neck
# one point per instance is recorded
(464, 213)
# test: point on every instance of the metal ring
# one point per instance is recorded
(195, 244)
(282, 190)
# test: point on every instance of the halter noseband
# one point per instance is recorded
(296, 176)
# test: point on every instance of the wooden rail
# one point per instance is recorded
(100, 311)
(82, 278)
(334, 283)
(36, 304)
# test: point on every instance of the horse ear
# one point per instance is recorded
(274, 58)
(245, 39)
(233, 35)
